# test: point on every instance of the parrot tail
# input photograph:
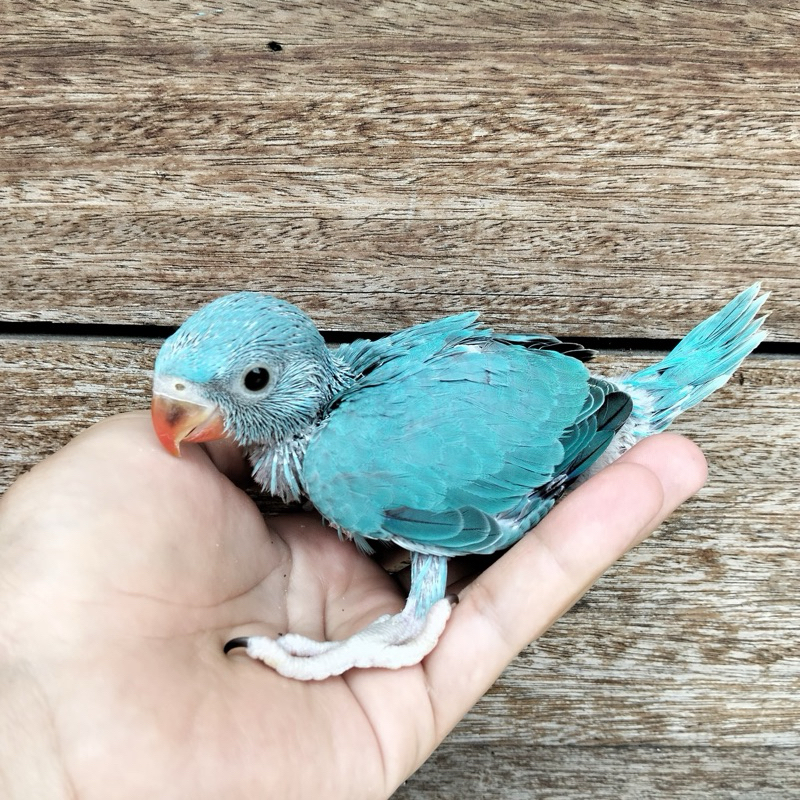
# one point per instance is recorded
(702, 361)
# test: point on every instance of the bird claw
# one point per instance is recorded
(390, 642)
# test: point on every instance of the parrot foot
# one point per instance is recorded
(390, 642)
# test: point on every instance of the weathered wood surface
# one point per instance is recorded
(598, 171)
(546, 162)
(682, 663)
(606, 773)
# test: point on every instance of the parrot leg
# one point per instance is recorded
(390, 642)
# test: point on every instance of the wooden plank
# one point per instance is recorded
(389, 165)
(172, 21)
(55, 387)
(690, 641)
(58, 385)
(521, 771)
(369, 274)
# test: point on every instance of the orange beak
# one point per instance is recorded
(177, 421)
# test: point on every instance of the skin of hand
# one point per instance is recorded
(123, 571)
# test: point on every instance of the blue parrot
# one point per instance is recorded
(445, 438)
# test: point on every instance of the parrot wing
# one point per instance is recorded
(363, 355)
(455, 441)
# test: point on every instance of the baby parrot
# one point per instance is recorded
(445, 438)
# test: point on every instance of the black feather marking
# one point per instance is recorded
(615, 411)
(544, 342)
(608, 419)
(572, 349)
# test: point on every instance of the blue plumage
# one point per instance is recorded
(701, 362)
(454, 432)
(445, 438)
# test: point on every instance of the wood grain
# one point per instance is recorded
(573, 165)
(367, 275)
(518, 771)
(589, 170)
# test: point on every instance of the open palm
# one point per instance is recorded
(123, 571)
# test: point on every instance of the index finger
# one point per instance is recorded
(523, 593)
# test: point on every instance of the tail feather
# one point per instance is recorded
(702, 361)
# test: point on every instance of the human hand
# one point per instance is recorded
(123, 571)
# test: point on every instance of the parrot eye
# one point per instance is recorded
(256, 379)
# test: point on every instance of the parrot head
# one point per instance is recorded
(248, 366)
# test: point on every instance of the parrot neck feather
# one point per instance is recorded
(277, 468)
(278, 464)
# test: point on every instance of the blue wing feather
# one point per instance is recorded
(452, 440)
